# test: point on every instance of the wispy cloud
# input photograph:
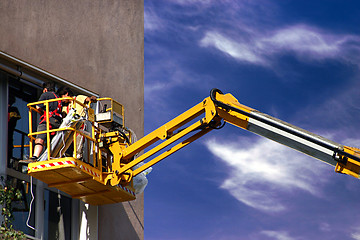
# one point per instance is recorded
(173, 76)
(325, 227)
(305, 42)
(277, 235)
(239, 50)
(303, 39)
(151, 21)
(356, 234)
(264, 171)
(336, 117)
(191, 2)
(354, 231)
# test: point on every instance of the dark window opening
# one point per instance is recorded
(57, 216)
(20, 95)
(22, 209)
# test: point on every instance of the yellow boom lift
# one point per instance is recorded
(110, 160)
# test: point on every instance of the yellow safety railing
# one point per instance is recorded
(91, 136)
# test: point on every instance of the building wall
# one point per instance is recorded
(95, 44)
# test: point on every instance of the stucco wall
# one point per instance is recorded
(98, 45)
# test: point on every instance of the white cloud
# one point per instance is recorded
(325, 227)
(278, 235)
(175, 77)
(355, 236)
(153, 87)
(305, 42)
(355, 232)
(240, 51)
(151, 21)
(300, 37)
(264, 172)
(191, 2)
(351, 142)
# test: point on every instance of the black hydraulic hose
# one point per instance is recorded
(281, 127)
(121, 132)
(124, 136)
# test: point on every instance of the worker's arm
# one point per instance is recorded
(40, 110)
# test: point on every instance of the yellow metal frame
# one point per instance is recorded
(79, 180)
(48, 131)
(211, 119)
(349, 166)
(70, 175)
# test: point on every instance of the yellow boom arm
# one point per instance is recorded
(105, 174)
(212, 111)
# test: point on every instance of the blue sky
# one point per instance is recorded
(295, 60)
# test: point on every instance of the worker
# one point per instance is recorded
(80, 139)
(80, 110)
(54, 116)
(13, 117)
(78, 107)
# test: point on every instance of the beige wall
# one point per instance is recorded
(98, 45)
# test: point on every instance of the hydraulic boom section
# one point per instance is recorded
(346, 159)
(224, 107)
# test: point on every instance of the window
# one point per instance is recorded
(51, 210)
(22, 82)
(18, 122)
(23, 209)
(57, 216)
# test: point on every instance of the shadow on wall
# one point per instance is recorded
(122, 227)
